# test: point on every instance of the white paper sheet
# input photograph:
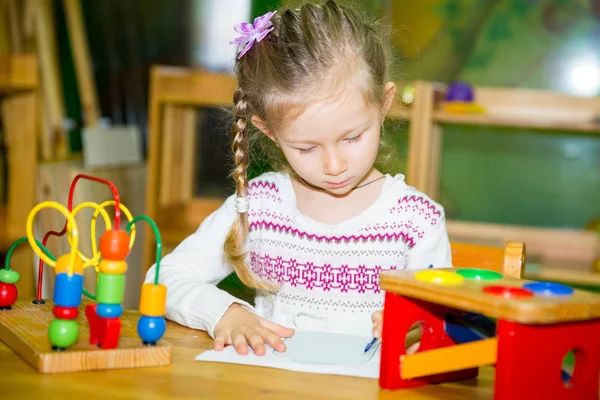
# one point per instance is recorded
(314, 352)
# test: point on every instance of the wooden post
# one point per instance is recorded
(19, 116)
(81, 55)
(50, 79)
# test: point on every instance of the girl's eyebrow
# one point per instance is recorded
(346, 132)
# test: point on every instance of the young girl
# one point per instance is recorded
(313, 237)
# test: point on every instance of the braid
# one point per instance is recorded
(236, 238)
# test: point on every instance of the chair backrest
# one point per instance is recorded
(509, 261)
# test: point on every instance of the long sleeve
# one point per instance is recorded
(192, 271)
(433, 249)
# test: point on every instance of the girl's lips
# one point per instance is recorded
(338, 184)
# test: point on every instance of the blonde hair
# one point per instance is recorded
(312, 49)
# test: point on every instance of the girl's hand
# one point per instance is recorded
(241, 328)
(377, 318)
(413, 337)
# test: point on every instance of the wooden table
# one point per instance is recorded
(186, 378)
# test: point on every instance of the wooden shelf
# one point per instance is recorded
(18, 73)
(517, 122)
(560, 245)
(583, 278)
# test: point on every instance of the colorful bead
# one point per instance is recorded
(113, 267)
(63, 333)
(114, 245)
(153, 300)
(110, 289)
(62, 265)
(8, 295)
(109, 310)
(68, 290)
(151, 329)
(65, 312)
(9, 276)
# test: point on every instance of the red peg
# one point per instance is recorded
(114, 245)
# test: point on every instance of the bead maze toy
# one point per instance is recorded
(524, 328)
(52, 336)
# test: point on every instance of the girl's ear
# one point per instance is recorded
(390, 95)
(262, 126)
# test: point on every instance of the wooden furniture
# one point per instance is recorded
(25, 330)
(20, 110)
(535, 331)
(509, 260)
(187, 378)
(505, 107)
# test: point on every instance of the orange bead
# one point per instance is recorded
(113, 267)
(114, 245)
(153, 301)
(62, 265)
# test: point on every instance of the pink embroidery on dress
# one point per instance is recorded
(254, 215)
(343, 278)
(260, 189)
(419, 205)
(387, 237)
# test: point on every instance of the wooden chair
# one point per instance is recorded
(508, 260)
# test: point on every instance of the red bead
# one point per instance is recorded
(8, 294)
(114, 245)
(65, 312)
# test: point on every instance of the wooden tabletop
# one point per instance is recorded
(186, 378)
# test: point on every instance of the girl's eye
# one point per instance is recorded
(354, 139)
(305, 151)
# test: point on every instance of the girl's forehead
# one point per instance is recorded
(346, 108)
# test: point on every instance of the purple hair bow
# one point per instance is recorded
(252, 33)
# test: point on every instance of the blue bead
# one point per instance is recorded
(151, 329)
(549, 288)
(109, 310)
(68, 290)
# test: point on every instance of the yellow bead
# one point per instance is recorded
(112, 267)
(153, 301)
(62, 265)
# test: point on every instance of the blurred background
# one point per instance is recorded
(139, 92)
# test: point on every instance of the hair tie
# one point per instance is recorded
(251, 33)
(241, 204)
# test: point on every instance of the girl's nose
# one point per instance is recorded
(334, 163)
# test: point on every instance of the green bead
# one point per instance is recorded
(479, 274)
(110, 289)
(63, 333)
(9, 276)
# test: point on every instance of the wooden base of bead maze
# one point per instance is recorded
(24, 329)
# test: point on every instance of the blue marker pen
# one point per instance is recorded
(370, 344)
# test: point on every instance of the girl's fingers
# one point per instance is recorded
(256, 341)
(273, 339)
(220, 340)
(377, 327)
(238, 339)
(280, 331)
(377, 316)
